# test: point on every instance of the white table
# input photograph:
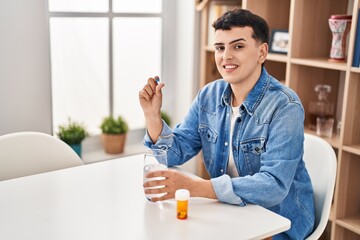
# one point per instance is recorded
(105, 201)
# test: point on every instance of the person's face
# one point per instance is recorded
(238, 56)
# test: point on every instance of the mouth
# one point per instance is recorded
(230, 67)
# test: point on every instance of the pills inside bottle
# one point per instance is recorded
(182, 198)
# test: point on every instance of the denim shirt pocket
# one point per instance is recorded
(208, 138)
(207, 133)
(252, 150)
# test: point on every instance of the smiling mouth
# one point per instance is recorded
(230, 66)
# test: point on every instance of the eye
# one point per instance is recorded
(219, 48)
(238, 46)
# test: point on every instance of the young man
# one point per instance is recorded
(248, 125)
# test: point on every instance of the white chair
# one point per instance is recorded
(28, 153)
(320, 161)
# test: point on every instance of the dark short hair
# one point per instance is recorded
(244, 18)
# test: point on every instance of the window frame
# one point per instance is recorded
(168, 18)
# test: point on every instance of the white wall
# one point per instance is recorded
(184, 72)
(25, 85)
(184, 79)
(25, 78)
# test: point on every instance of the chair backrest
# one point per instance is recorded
(320, 161)
(28, 153)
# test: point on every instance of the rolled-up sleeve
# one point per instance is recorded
(163, 142)
(224, 191)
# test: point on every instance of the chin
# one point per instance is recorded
(231, 80)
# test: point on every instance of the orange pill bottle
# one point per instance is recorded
(182, 199)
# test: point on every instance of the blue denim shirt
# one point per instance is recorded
(267, 148)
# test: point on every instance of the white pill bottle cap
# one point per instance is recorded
(182, 194)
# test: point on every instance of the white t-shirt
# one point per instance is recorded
(231, 168)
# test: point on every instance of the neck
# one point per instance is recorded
(241, 90)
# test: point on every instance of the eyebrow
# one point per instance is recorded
(233, 41)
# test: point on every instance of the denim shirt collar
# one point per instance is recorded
(255, 95)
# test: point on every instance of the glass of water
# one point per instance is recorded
(154, 160)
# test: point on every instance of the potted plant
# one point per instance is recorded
(73, 133)
(113, 134)
(165, 116)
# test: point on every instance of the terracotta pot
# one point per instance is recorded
(113, 143)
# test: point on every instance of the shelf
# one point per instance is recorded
(200, 5)
(355, 69)
(332, 213)
(277, 57)
(351, 223)
(333, 141)
(354, 149)
(209, 48)
(320, 63)
(306, 65)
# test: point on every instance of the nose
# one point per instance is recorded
(227, 54)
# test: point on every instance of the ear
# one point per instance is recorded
(263, 51)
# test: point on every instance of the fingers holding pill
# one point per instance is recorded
(144, 95)
(149, 90)
(150, 95)
(152, 82)
(154, 86)
(157, 79)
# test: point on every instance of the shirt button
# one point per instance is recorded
(227, 114)
(226, 143)
(222, 170)
(239, 120)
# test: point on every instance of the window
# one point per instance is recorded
(102, 52)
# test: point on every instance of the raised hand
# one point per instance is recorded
(150, 98)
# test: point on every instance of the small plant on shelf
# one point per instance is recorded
(165, 116)
(113, 135)
(73, 133)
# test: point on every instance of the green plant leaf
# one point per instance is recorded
(72, 132)
(166, 117)
(110, 125)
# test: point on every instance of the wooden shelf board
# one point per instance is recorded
(355, 149)
(355, 69)
(320, 63)
(332, 213)
(333, 141)
(302, 67)
(209, 48)
(277, 57)
(200, 5)
(351, 223)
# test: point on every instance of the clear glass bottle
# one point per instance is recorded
(322, 108)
